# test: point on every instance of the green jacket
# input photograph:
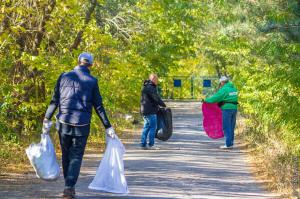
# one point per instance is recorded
(228, 93)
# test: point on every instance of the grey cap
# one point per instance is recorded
(86, 58)
(223, 79)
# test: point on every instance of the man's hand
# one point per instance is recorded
(110, 132)
(46, 126)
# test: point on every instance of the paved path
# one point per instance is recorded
(189, 165)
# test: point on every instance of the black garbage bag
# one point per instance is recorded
(164, 124)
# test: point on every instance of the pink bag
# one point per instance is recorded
(212, 120)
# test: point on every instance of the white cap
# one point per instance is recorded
(223, 79)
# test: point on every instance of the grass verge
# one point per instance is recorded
(15, 162)
(271, 159)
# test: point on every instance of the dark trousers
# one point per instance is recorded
(72, 147)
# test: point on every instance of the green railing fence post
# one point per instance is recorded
(192, 87)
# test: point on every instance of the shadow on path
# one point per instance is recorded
(189, 165)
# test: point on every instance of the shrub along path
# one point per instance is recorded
(189, 165)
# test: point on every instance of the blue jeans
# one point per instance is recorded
(229, 120)
(72, 147)
(150, 123)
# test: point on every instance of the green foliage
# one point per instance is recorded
(128, 38)
(254, 42)
(257, 44)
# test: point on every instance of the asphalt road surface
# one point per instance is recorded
(189, 165)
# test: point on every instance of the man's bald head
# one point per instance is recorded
(153, 78)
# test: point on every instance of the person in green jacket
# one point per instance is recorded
(227, 99)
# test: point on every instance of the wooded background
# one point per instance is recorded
(255, 42)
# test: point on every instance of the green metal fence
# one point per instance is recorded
(186, 87)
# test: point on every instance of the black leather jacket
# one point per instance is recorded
(150, 100)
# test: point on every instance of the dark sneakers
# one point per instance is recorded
(69, 193)
(144, 147)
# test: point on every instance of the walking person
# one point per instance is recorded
(150, 102)
(75, 94)
(227, 99)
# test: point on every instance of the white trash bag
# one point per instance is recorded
(43, 159)
(110, 173)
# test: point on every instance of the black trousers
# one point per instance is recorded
(72, 147)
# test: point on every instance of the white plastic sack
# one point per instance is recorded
(43, 159)
(110, 173)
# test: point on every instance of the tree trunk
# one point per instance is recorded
(86, 21)
(218, 70)
(39, 35)
(5, 23)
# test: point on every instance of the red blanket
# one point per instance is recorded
(212, 120)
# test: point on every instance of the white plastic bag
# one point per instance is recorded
(43, 159)
(110, 173)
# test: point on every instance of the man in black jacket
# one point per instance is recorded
(75, 94)
(150, 102)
